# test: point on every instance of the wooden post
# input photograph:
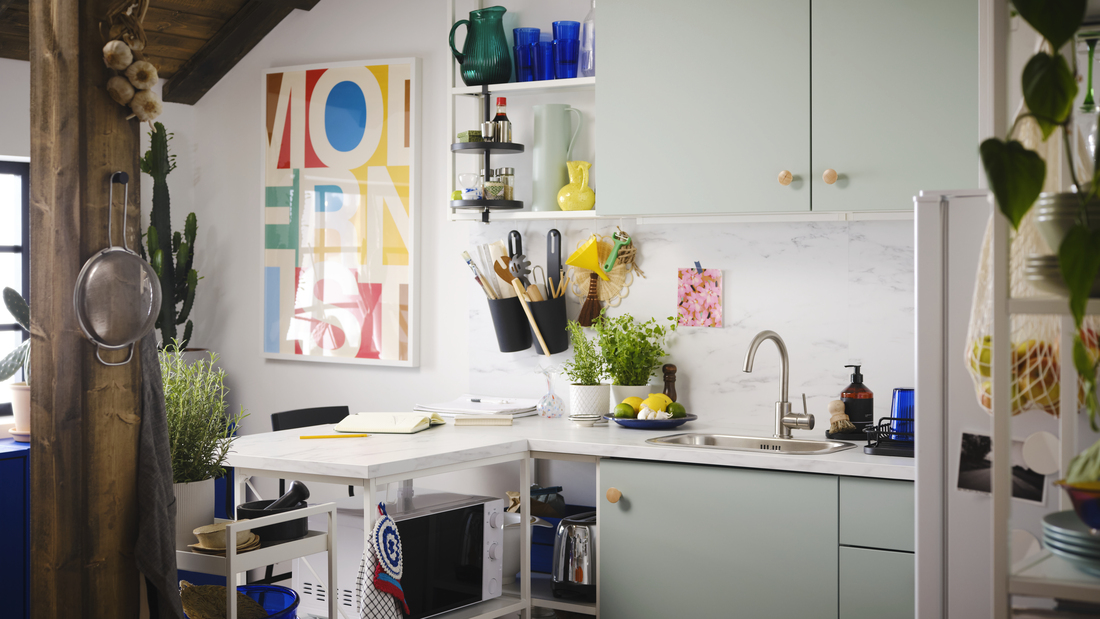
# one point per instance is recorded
(85, 421)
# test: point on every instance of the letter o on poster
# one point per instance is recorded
(336, 104)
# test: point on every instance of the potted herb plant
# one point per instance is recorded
(19, 358)
(199, 435)
(586, 394)
(631, 351)
(1016, 176)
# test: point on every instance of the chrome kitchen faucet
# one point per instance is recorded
(785, 420)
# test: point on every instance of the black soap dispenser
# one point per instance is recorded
(859, 401)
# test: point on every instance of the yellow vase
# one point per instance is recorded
(577, 195)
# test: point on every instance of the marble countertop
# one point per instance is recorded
(390, 454)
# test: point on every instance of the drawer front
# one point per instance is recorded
(877, 513)
(876, 584)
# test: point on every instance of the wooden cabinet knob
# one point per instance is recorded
(785, 177)
(613, 495)
(829, 176)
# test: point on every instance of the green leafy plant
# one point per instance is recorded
(199, 430)
(1016, 174)
(631, 350)
(171, 254)
(20, 357)
(587, 366)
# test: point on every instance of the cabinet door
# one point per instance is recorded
(701, 105)
(876, 584)
(700, 541)
(895, 100)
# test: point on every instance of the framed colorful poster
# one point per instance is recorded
(340, 212)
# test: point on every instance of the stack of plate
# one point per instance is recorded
(586, 420)
(252, 542)
(1066, 536)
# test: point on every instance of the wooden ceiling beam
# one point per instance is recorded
(221, 53)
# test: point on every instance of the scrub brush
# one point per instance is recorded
(838, 421)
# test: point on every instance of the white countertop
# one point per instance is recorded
(389, 454)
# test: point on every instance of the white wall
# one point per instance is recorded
(15, 103)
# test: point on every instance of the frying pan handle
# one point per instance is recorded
(131, 356)
(124, 179)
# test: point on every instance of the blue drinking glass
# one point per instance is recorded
(566, 54)
(570, 30)
(525, 63)
(525, 36)
(543, 53)
(901, 408)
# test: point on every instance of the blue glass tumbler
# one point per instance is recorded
(567, 30)
(544, 60)
(566, 54)
(901, 408)
(524, 56)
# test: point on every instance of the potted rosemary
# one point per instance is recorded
(199, 435)
(631, 351)
(586, 395)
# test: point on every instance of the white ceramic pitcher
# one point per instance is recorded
(553, 147)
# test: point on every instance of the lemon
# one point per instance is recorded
(677, 410)
(663, 398)
(654, 403)
(625, 411)
(634, 402)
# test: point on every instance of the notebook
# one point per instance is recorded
(389, 423)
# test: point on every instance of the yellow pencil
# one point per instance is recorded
(335, 436)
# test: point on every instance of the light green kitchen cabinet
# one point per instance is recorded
(895, 100)
(876, 584)
(877, 513)
(701, 105)
(701, 541)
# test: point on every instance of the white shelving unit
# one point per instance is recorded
(456, 89)
(268, 554)
(1045, 575)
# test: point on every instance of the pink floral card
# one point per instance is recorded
(700, 298)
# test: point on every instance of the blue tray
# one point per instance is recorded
(651, 424)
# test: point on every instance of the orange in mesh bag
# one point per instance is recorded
(1034, 339)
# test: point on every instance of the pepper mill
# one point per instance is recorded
(670, 380)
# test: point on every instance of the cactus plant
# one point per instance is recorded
(21, 356)
(171, 254)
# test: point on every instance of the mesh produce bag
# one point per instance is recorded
(1034, 339)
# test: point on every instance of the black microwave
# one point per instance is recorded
(452, 552)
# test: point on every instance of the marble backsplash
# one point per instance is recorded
(837, 292)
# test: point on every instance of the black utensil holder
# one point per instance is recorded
(550, 317)
(509, 320)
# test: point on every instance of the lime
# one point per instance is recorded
(625, 411)
(677, 410)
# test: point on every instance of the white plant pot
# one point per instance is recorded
(194, 508)
(589, 399)
(622, 392)
(21, 406)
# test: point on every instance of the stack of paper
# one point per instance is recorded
(469, 404)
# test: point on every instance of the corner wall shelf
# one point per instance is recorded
(532, 88)
(480, 148)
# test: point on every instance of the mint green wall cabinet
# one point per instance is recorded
(876, 584)
(701, 104)
(700, 541)
(895, 100)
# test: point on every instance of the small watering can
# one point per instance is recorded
(484, 57)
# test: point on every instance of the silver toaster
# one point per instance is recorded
(574, 571)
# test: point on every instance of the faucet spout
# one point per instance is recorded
(784, 361)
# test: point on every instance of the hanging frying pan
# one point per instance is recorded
(117, 295)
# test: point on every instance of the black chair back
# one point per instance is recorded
(305, 417)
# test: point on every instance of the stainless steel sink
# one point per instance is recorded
(792, 446)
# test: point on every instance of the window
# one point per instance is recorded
(14, 256)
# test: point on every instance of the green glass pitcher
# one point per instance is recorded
(484, 57)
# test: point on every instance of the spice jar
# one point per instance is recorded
(492, 188)
(508, 177)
